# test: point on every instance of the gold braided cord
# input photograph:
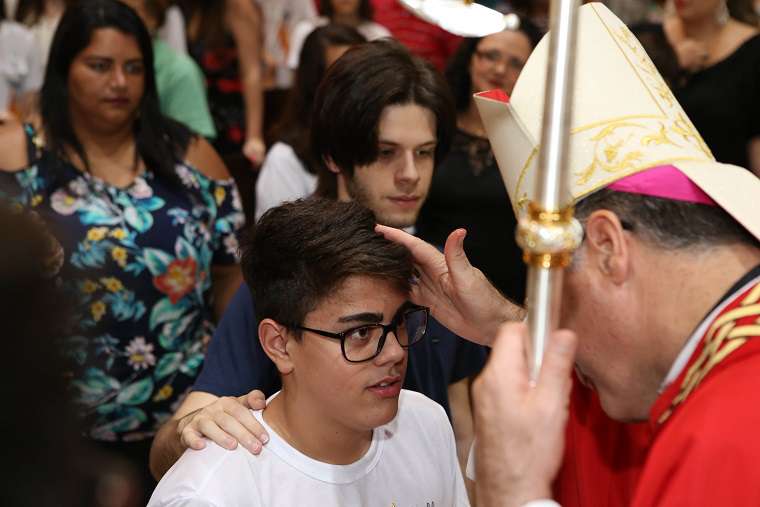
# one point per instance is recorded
(736, 314)
(723, 338)
(753, 296)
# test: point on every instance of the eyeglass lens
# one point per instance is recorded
(361, 343)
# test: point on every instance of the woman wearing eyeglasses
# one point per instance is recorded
(467, 190)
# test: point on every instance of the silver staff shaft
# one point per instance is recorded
(545, 267)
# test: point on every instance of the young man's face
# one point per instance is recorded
(395, 186)
(350, 395)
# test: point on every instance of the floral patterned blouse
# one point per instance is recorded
(138, 266)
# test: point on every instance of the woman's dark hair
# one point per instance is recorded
(212, 29)
(458, 69)
(744, 11)
(161, 142)
(365, 10)
(299, 253)
(156, 9)
(293, 128)
(353, 96)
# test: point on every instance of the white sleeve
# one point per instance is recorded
(282, 178)
(469, 469)
(301, 9)
(297, 38)
(173, 30)
(541, 503)
(211, 477)
(184, 502)
(36, 73)
(372, 31)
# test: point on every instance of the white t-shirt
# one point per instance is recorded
(411, 462)
(369, 29)
(173, 30)
(282, 178)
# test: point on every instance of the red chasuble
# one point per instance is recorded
(703, 431)
(603, 458)
(706, 424)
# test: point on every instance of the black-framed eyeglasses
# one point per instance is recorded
(364, 343)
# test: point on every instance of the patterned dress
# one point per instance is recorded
(138, 268)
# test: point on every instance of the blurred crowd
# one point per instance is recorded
(144, 135)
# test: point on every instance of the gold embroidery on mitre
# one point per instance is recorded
(723, 337)
(670, 128)
(629, 145)
(614, 148)
(523, 201)
(620, 44)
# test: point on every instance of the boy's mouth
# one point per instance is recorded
(389, 387)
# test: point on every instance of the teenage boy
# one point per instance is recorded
(334, 317)
(382, 119)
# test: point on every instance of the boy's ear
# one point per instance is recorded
(274, 339)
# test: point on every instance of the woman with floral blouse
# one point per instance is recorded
(146, 214)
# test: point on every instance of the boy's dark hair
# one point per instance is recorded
(300, 252)
(353, 95)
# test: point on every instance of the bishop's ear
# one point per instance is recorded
(274, 339)
(608, 245)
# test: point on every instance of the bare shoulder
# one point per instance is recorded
(741, 33)
(13, 140)
(202, 156)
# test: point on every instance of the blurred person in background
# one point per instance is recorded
(279, 18)
(718, 49)
(55, 469)
(42, 17)
(357, 14)
(146, 215)
(224, 37)
(537, 11)
(467, 189)
(424, 39)
(21, 68)
(289, 172)
(181, 90)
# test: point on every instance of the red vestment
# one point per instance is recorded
(701, 452)
(603, 458)
(706, 450)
